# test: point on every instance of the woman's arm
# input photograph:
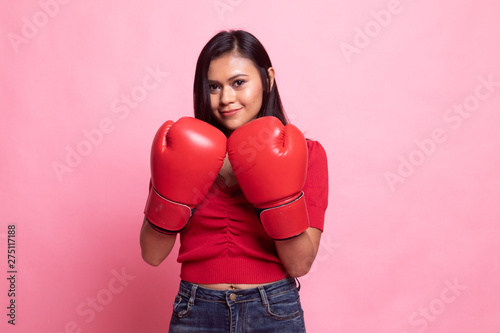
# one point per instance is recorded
(155, 246)
(297, 254)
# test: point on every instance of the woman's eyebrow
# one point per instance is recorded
(237, 76)
(230, 79)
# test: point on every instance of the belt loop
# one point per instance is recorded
(263, 296)
(193, 294)
(298, 287)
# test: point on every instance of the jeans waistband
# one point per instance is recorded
(196, 292)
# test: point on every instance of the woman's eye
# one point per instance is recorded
(238, 83)
(213, 87)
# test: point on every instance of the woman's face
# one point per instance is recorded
(235, 90)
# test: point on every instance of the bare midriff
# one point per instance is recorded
(231, 286)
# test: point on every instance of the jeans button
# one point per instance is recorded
(232, 297)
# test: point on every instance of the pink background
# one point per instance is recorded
(394, 90)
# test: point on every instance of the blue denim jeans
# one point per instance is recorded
(271, 308)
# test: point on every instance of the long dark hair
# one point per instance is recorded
(246, 45)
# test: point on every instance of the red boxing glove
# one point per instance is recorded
(270, 163)
(186, 156)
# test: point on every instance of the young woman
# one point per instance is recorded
(244, 190)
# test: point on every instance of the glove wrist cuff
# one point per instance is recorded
(285, 221)
(166, 216)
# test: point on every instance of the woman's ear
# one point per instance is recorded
(270, 75)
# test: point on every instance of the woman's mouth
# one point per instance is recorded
(228, 113)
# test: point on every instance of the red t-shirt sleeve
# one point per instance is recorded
(316, 186)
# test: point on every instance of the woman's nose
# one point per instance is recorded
(228, 96)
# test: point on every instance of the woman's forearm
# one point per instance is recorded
(297, 254)
(155, 246)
